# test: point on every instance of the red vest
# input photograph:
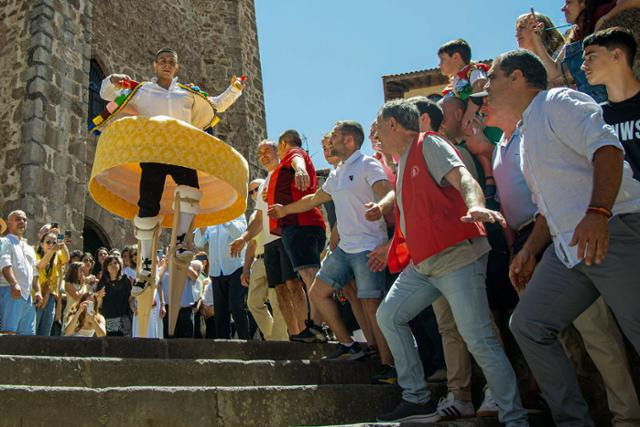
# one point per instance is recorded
(431, 213)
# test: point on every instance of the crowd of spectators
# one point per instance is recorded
(507, 204)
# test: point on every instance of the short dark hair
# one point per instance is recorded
(404, 112)
(291, 137)
(529, 64)
(614, 38)
(457, 46)
(76, 253)
(427, 106)
(166, 50)
(352, 128)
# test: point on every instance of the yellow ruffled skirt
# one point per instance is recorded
(223, 173)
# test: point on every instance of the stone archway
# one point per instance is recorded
(94, 236)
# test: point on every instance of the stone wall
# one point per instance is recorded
(214, 39)
(14, 43)
(52, 89)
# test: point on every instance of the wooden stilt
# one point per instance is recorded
(144, 301)
(177, 268)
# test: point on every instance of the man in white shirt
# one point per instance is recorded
(163, 96)
(588, 205)
(278, 268)
(19, 277)
(254, 276)
(355, 186)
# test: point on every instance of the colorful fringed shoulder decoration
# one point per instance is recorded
(129, 88)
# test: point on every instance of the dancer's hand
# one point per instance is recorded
(116, 78)
(238, 82)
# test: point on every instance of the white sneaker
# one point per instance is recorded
(489, 407)
(450, 409)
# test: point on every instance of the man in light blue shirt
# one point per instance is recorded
(600, 333)
(589, 206)
(229, 295)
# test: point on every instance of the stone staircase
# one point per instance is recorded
(133, 382)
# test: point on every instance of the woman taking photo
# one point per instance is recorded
(84, 319)
(51, 257)
(117, 292)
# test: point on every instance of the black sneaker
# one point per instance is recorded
(407, 411)
(143, 278)
(311, 334)
(388, 375)
(347, 353)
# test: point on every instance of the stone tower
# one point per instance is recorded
(53, 54)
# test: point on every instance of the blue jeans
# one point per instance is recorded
(19, 315)
(339, 267)
(465, 291)
(573, 61)
(44, 317)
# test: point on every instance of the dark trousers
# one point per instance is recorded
(184, 325)
(230, 298)
(152, 184)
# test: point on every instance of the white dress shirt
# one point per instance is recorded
(561, 131)
(18, 254)
(219, 237)
(154, 100)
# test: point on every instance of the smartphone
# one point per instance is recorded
(60, 238)
(90, 307)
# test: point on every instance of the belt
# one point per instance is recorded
(260, 256)
(525, 225)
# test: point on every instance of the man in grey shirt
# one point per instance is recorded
(588, 205)
(448, 258)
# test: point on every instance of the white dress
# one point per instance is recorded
(154, 329)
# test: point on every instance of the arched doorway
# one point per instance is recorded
(94, 237)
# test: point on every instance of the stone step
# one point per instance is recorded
(190, 406)
(162, 349)
(537, 420)
(116, 372)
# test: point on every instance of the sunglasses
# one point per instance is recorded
(255, 190)
(50, 242)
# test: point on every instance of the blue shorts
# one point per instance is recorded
(18, 315)
(339, 267)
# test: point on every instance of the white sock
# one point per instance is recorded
(145, 248)
(184, 223)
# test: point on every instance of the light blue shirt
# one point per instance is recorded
(187, 293)
(513, 193)
(219, 237)
(561, 131)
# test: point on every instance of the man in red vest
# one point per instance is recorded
(439, 210)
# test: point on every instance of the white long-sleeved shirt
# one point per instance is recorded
(154, 100)
(561, 131)
(219, 237)
(20, 256)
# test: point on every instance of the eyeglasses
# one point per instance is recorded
(255, 190)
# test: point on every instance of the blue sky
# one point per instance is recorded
(323, 60)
